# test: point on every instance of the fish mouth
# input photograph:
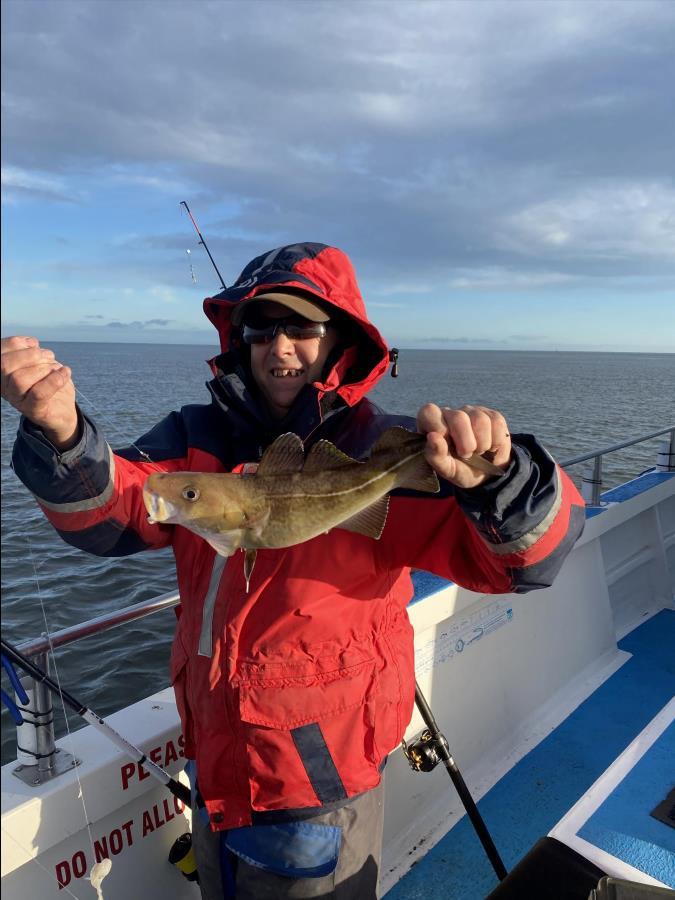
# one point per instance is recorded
(159, 509)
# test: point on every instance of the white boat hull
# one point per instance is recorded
(500, 673)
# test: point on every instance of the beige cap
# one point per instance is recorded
(293, 301)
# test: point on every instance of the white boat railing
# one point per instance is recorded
(591, 483)
(37, 752)
(101, 623)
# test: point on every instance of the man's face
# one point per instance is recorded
(282, 367)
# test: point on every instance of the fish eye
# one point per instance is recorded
(191, 493)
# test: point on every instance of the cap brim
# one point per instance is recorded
(298, 304)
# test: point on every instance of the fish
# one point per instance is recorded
(294, 497)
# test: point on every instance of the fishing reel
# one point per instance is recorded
(425, 753)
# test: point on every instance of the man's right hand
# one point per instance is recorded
(41, 388)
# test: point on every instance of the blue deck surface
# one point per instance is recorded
(629, 490)
(636, 486)
(546, 783)
(426, 583)
(623, 826)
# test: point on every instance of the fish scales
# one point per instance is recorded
(293, 498)
(348, 489)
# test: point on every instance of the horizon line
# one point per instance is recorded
(459, 349)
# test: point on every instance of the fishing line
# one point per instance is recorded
(34, 859)
(192, 271)
(100, 869)
(109, 421)
(63, 705)
(203, 242)
(177, 789)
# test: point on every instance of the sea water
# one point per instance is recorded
(574, 402)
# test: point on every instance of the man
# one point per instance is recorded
(293, 692)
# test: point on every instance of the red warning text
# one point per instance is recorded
(163, 756)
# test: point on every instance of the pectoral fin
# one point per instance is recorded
(249, 562)
(226, 543)
(369, 521)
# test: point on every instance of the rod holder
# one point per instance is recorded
(591, 483)
(37, 755)
(665, 461)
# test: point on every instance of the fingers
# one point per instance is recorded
(21, 368)
(17, 342)
(36, 383)
(430, 418)
(17, 352)
(454, 435)
(30, 388)
(44, 381)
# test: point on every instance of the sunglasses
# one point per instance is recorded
(263, 330)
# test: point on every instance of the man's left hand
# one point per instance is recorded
(453, 435)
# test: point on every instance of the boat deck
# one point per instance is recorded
(539, 790)
(540, 708)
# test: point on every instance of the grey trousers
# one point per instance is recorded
(355, 877)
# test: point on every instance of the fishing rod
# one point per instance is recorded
(203, 242)
(177, 789)
(430, 749)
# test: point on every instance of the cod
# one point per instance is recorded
(292, 498)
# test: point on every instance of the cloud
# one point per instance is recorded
(440, 155)
(612, 222)
(148, 323)
(462, 340)
(376, 304)
(495, 278)
(18, 182)
(163, 293)
(530, 337)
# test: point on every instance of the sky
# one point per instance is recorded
(500, 173)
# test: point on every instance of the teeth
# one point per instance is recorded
(286, 373)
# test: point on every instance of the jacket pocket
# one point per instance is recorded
(305, 736)
(178, 674)
(289, 701)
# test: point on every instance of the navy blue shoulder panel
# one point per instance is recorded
(108, 538)
(166, 440)
(197, 426)
(69, 477)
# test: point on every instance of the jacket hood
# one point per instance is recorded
(328, 274)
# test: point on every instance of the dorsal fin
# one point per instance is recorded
(324, 456)
(397, 436)
(284, 456)
(370, 521)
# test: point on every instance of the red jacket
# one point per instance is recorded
(292, 695)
